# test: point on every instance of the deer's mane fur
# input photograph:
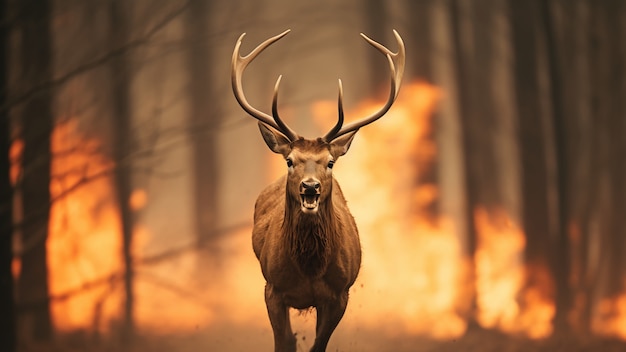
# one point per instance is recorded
(310, 237)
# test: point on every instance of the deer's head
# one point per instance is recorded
(310, 161)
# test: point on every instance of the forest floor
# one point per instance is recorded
(223, 340)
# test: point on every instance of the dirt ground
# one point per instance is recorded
(226, 339)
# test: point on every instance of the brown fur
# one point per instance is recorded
(310, 238)
(304, 236)
(308, 260)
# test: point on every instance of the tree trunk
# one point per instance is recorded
(560, 249)
(420, 65)
(376, 22)
(534, 152)
(37, 122)
(120, 74)
(462, 53)
(205, 121)
(577, 154)
(7, 300)
(420, 35)
(613, 92)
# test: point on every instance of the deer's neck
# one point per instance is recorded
(310, 237)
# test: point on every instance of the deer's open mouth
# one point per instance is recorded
(309, 202)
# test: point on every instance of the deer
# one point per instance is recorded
(304, 236)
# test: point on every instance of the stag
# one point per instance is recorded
(304, 236)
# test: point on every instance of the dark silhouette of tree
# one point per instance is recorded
(377, 27)
(420, 27)
(560, 249)
(205, 111)
(7, 301)
(533, 142)
(608, 111)
(472, 64)
(617, 145)
(122, 136)
(420, 39)
(36, 122)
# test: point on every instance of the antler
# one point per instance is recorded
(238, 65)
(396, 80)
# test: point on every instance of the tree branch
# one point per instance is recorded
(133, 44)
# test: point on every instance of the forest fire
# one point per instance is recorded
(412, 264)
(414, 268)
(85, 245)
(415, 275)
(489, 199)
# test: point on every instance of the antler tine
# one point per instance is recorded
(399, 56)
(282, 126)
(331, 134)
(238, 65)
(396, 79)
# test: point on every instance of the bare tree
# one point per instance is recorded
(120, 97)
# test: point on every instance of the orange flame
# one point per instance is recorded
(610, 317)
(500, 278)
(85, 246)
(499, 269)
(413, 273)
(15, 159)
(84, 242)
(166, 299)
(412, 265)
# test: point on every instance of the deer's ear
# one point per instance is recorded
(340, 146)
(276, 141)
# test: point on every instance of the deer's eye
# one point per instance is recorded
(331, 164)
(289, 163)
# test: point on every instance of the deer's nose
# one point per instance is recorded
(310, 187)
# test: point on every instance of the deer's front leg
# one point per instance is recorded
(328, 316)
(284, 341)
